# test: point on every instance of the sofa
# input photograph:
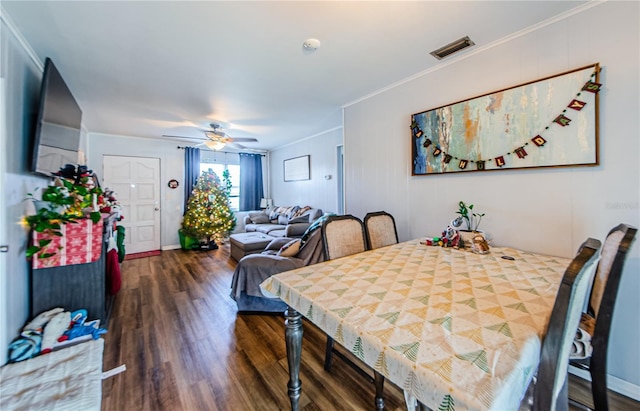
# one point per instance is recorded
(290, 221)
(281, 254)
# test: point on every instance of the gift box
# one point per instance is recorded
(80, 243)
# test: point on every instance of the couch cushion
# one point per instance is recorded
(290, 249)
(279, 233)
(258, 217)
(266, 228)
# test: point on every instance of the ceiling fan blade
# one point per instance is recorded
(187, 137)
(244, 139)
(236, 145)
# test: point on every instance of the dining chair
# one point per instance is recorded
(342, 235)
(548, 390)
(345, 235)
(380, 229)
(596, 322)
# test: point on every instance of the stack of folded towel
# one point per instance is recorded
(581, 347)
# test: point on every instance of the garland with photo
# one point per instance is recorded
(561, 120)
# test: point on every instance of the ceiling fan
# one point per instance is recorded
(218, 139)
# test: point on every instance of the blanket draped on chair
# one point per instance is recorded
(253, 269)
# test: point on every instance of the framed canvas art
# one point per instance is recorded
(549, 122)
(297, 169)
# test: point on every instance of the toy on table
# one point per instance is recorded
(450, 238)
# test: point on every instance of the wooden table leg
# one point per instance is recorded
(293, 338)
(379, 382)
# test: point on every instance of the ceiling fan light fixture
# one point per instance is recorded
(214, 145)
(215, 134)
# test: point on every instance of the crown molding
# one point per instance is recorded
(22, 41)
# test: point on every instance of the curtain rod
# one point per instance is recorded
(223, 152)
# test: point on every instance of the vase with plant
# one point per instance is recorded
(471, 219)
(468, 216)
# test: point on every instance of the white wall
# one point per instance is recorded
(542, 210)
(21, 74)
(317, 192)
(171, 167)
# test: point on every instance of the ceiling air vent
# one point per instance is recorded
(451, 48)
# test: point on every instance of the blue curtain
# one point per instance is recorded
(251, 190)
(191, 172)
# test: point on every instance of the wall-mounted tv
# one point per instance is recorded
(57, 136)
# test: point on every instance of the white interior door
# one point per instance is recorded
(136, 183)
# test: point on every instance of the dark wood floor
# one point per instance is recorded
(185, 347)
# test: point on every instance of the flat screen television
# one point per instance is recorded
(57, 135)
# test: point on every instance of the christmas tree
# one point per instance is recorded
(209, 217)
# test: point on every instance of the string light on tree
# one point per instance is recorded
(209, 216)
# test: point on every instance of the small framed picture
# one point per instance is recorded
(297, 169)
(173, 183)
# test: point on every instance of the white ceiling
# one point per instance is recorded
(152, 68)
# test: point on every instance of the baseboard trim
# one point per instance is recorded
(170, 247)
(613, 383)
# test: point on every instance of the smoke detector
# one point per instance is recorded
(311, 44)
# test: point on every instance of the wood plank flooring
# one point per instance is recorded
(186, 347)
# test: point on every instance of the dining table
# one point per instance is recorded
(453, 329)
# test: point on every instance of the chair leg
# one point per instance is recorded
(328, 355)
(562, 402)
(379, 381)
(598, 370)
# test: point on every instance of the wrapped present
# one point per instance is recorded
(80, 243)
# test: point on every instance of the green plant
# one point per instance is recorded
(466, 213)
(47, 221)
(61, 203)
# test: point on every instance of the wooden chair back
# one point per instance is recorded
(550, 391)
(343, 235)
(607, 279)
(380, 229)
(597, 320)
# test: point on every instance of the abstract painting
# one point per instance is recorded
(549, 122)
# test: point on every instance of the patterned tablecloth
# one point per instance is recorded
(455, 330)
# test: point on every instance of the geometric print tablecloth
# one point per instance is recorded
(455, 330)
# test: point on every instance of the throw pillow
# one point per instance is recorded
(275, 212)
(301, 211)
(259, 218)
(290, 249)
(277, 243)
(300, 216)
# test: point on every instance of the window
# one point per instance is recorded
(234, 174)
